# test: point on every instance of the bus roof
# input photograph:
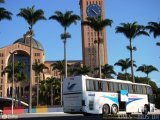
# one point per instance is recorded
(114, 80)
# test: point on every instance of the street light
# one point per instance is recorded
(13, 53)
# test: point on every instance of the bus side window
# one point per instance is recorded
(87, 85)
(96, 85)
(144, 91)
(130, 88)
(111, 87)
(105, 87)
(100, 85)
(139, 88)
(149, 90)
(115, 85)
(119, 86)
(134, 89)
(124, 87)
(92, 85)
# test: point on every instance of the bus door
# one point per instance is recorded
(123, 98)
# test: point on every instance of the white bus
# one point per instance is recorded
(83, 94)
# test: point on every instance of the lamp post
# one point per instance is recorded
(13, 53)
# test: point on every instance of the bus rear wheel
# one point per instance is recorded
(106, 109)
(114, 109)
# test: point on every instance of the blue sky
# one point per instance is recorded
(48, 32)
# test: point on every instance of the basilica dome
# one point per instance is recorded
(35, 43)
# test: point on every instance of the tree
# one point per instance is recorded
(59, 65)
(43, 92)
(83, 70)
(108, 70)
(154, 27)
(32, 16)
(147, 69)
(131, 31)
(19, 74)
(65, 20)
(38, 68)
(98, 24)
(54, 88)
(125, 65)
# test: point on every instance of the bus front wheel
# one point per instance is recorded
(106, 109)
(114, 109)
(145, 112)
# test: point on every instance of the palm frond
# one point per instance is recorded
(64, 36)
(154, 27)
(31, 15)
(2, 1)
(158, 43)
(4, 14)
(65, 19)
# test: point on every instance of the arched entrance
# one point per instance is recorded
(20, 84)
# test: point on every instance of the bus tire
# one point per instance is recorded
(145, 112)
(114, 109)
(106, 109)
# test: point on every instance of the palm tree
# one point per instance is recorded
(98, 24)
(65, 20)
(42, 92)
(54, 88)
(38, 68)
(125, 65)
(131, 31)
(32, 16)
(59, 65)
(19, 74)
(72, 71)
(83, 70)
(108, 70)
(147, 69)
(154, 27)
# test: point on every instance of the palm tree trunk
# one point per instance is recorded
(131, 56)
(148, 79)
(65, 52)
(126, 74)
(51, 94)
(30, 83)
(38, 90)
(13, 84)
(99, 56)
(15, 94)
(61, 91)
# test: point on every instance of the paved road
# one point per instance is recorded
(64, 116)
